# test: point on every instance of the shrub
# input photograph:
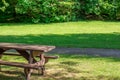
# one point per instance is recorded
(105, 9)
(47, 10)
(58, 10)
(118, 10)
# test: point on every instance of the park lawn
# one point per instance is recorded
(85, 34)
(69, 67)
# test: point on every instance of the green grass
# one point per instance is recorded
(85, 34)
(89, 34)
(69, 67)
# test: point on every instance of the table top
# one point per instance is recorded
(43, 48)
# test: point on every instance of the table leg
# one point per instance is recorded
(28, 71)
(1, 53)
(42, 62)
(42, 70)
(31, 58)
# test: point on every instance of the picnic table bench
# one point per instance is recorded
(29, 52)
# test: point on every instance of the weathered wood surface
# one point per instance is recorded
(26, 65)
(50, 57)
(42, 48)
(29, 52)
(18, 64)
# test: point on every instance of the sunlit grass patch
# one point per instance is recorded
(69, 67)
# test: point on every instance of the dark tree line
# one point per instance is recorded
(58, 10)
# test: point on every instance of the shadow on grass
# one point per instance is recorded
(72, 66)
(25, 23)
(70, 69)
(100, 77)
(15, 75)
(68, 40)
(3, 77)
(72, 77)
(20, 24)
(11, 75)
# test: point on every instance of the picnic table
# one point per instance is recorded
(29, 52)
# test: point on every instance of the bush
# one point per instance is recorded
(102, 9)
(47, 10)
(118, 10)
(58, 10)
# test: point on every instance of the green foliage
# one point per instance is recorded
(7, 10)
(118, 10)
(109, 8)
(3, 5)
(103, 9)
(91, 6)
(58, 10)
(46, 10)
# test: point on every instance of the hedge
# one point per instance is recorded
(58, 10)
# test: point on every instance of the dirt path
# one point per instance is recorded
(88, 51)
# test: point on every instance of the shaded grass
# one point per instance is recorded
(70, 67)
(68, 40)
(86, 34)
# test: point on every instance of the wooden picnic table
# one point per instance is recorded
(29, 52)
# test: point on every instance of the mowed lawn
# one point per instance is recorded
(85, 34)
(69, 67)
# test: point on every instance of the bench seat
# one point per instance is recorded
(22, 65)
(49, 57)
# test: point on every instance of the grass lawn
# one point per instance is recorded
(69, 67)
(85, 34)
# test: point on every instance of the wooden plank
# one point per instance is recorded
(1, 53)
(17, 64)
(50, 57)
(42, 48)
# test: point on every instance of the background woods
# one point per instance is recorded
(58, 10)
